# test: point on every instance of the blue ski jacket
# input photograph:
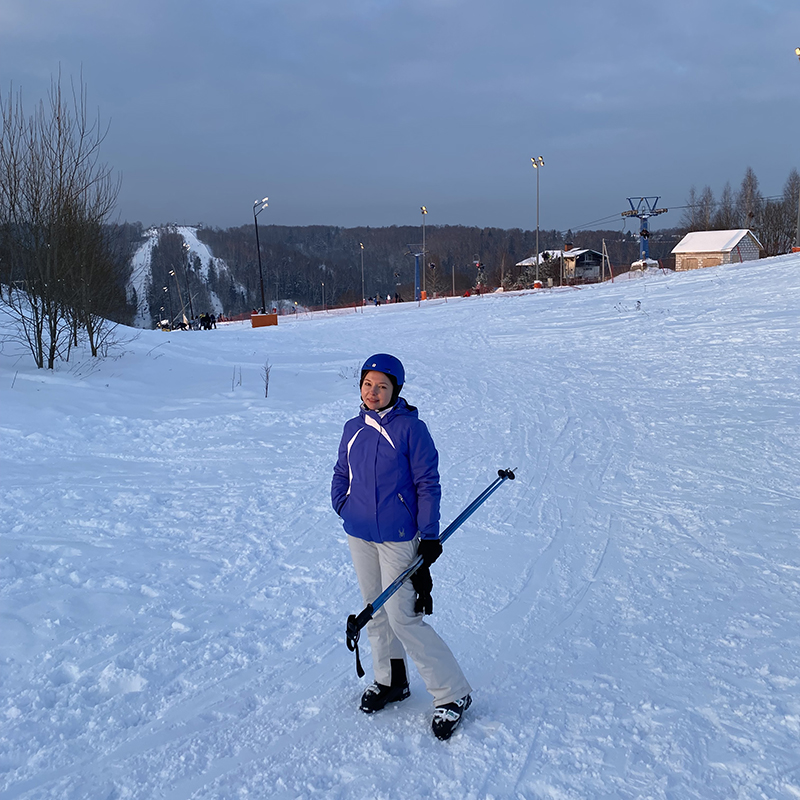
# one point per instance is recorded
(386, 480)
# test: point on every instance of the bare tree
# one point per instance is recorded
(725, 217)
(778, 229)
(265, 372)
(689, 220)
(705, 209)
(791, 201)
(773, 230)
(55, 197)
(749, 201)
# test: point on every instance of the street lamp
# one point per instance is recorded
(796, 247)
(363, 294)
(537, 163)
(180, 295)
(169, 302)
(424, 211)
(323, 295)
(258, 207)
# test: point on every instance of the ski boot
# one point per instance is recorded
(447, 718)
(378, 695)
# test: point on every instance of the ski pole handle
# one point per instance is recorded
(356, 623)
(502, 475)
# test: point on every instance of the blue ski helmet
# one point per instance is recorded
(388, 365)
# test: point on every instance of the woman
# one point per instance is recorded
(386, 490)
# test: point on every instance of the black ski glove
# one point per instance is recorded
(423, 585)
(429, 550)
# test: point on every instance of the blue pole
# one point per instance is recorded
(356, 623)
(644, 239)
(380, 601)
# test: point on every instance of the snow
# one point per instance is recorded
(142, 278)
(711, 241)
(174, 586)
(142, 275)
(644, 264)
(196, 248)
(548, 254)
(531, 261)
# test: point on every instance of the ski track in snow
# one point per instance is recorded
(174, 585)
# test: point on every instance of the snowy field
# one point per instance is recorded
(174, 585)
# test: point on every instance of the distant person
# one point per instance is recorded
(386, 490)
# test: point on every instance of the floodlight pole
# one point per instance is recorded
(424, 211)
(797, 237)
(796, 248)
(180, 294)
(258, 207)
(363, 294)
(169, 302)
(537, 163)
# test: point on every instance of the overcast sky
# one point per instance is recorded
(357, 112)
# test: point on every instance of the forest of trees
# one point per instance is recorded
(296, 261)
(774, 220)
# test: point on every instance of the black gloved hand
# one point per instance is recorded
(429, 550)
(423, 585)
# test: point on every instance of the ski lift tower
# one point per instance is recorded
(644, 208)
(418, 253)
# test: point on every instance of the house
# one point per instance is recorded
(545, 257)
(580, 266)
(712, 248)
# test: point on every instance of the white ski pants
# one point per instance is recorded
(396, 629)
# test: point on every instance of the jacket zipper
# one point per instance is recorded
(406, 505)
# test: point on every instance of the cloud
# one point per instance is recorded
(363, 103)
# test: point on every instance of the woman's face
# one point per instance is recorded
(376, 390)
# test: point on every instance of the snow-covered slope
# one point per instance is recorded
(174, 585)
(142, 276)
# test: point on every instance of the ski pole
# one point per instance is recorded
(356, 622)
